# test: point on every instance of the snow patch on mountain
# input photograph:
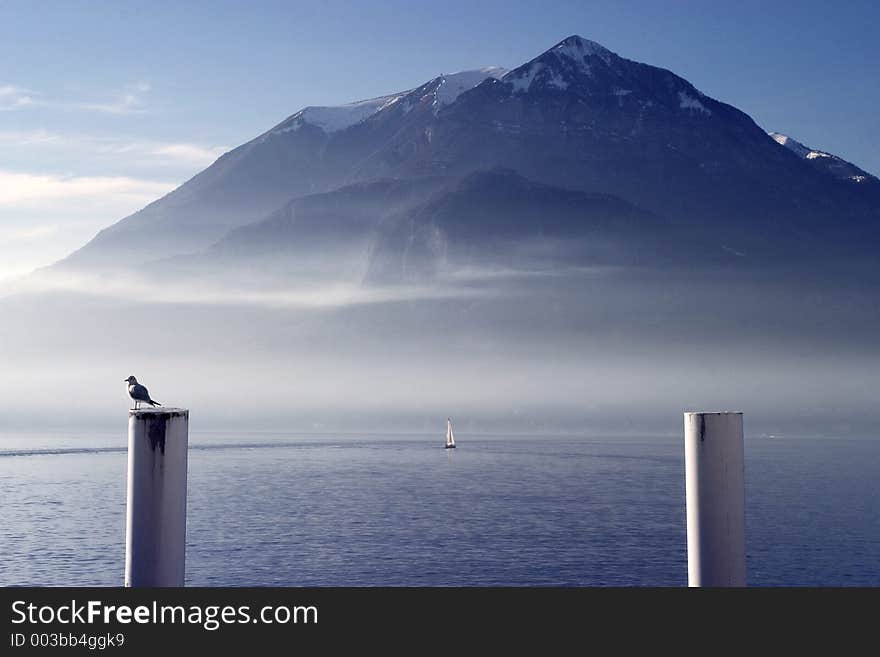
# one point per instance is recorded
(557, 81)
(791, 144)
(454, 84)
(523, 78)
(335, 118)
(836, 166)
(686, 101)
(339, 117)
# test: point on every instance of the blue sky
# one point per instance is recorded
(105, 106)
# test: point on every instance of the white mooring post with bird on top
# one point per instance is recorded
(155, 521)
(715, 492)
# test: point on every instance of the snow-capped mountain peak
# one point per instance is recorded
(577, 116)
(583, 69)
(560, 67)
(578, 49)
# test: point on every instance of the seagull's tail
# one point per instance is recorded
(153, 403)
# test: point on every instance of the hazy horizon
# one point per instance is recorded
(573, 300)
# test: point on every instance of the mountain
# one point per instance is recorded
(582, 117)
(578, 117)
(314, 150)
(324, 236)
(499, 220)
(826, 162)
(406, 230)
(582, 236)
(402, 230)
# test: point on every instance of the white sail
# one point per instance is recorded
(450, 437)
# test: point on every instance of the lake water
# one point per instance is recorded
(315, 510)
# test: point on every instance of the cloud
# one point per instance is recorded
(30, 137)
(27, 189)
(14, 98)
(43, 216)
(140, 87)
(127, 104)
(182, 153)
(191, 153)
(26, 234)
(131, 101)
(134, 151)
(324, 296)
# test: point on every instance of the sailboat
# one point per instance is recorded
(450, 437)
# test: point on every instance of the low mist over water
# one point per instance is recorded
(574, 350)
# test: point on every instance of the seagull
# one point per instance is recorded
(139, 393)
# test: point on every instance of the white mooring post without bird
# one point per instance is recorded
(715, 491)
(155, 521)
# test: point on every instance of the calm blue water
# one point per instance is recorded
(306, 510)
